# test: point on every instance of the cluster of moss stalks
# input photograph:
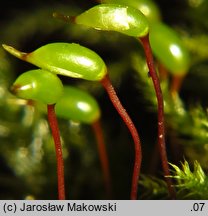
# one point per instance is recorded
(26, 150)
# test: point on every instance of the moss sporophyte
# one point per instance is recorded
(137, 18)
(71, 104)
(80, 106)
(132, 22)
(67, 59)
(166, 44)
(76, 61)
(36, 85)
(27, 146)
(147, 7)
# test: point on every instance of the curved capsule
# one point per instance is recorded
(68, 59)
(38, 85)
(115, 17)
(147, 7)
(169, 49)
(77, 105)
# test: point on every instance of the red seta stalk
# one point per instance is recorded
(122, 112)
(161, 121)
(103, 157)
(176, 83)
(59, 157)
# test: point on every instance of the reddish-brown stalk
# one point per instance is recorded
(122, 112)
(103, 157)
(59, 157)
(65, 18)
(176, 83)
(161, 121)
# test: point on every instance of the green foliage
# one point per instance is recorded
(153, 187)
(190, 184)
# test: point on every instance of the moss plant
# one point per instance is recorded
(36, 85)
(80, 106)
(26, 153)
(166, 44)
(130, 21)
(191, 183)
(76, 61)
(147, 7)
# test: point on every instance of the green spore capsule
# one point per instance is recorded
(68, 59)
(115, 17)
(169, 48)
(147, 7)
(77, 105)
(38, 85)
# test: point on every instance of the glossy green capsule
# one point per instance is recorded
(147, 7)
(115, 17)
(169, 48)
(38, 85)
(68, 59)
(77, 105)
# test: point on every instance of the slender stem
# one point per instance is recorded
(161, 122)
(103, 157)
(63, 17)
(176, 83)
(122, 112)
(59, 157)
